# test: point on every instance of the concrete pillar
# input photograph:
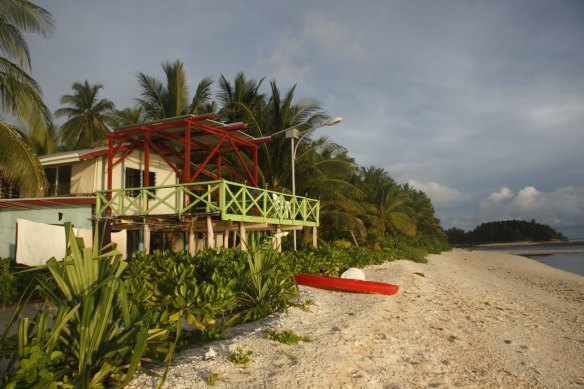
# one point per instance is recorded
(192, 237)
(242, 236)
(278, 239)
(226, 239)
(146, 238)
(315, 236)
(210, 233)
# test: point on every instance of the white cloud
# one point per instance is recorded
(440, 195)
(561, 208)
(503, 194)
(529, 200)
(495, 203)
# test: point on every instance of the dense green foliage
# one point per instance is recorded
(505, 231)
(84, 333)
(15, 278)
(7, 281)
(212, 290)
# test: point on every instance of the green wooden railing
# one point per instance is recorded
(230, 200)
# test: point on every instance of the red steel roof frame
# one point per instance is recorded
(199, 136)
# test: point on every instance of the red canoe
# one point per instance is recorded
(345, 284)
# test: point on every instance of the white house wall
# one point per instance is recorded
(84, 177)
(164, 176)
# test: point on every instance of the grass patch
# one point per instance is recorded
(287, 337)
(241, 357)
(213, 379)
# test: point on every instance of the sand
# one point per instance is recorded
(464, 319)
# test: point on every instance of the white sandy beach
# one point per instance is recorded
(465, 319)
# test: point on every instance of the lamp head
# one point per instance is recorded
(334, 121)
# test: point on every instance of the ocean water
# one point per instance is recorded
(566, 257)
(572, 262)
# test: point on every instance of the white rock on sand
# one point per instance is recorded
(465, 319)
(354, 273)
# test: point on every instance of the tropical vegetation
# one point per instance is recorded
(505, 231)
(86, 330)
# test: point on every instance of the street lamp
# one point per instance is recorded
(298, 133)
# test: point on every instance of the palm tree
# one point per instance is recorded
(275, 115)
(389, 209)
(21, 95)
(240, 101)
(160, 101)
(125, 117)
(423, 211)
(325, 170)
(87, 116)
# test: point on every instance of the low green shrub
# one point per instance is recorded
(287, 337)
(15, 278)
(213, 379)
(214, 289)
(416, 254)
(332, 261)
(241, 357)
(341, 244)
(266, 284)
(179, 286)
(7, 281)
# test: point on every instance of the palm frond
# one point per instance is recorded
(18, 17)
(202, 96)
(19, 163)
(175, 103)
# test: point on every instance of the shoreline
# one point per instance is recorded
(554, 243)
(464, 319)
(527, 247)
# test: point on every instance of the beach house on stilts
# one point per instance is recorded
(187, 182)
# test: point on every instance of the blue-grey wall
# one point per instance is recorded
(78, 215)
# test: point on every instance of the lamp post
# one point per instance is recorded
(296, 134)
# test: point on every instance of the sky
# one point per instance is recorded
(480, 104)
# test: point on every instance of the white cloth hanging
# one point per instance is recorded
(36, 243)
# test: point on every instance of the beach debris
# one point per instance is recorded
(420, 274)
(210, 355)
(354, 273)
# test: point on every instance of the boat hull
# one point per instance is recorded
(346, 284)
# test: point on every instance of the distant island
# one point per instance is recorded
(505, 231)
